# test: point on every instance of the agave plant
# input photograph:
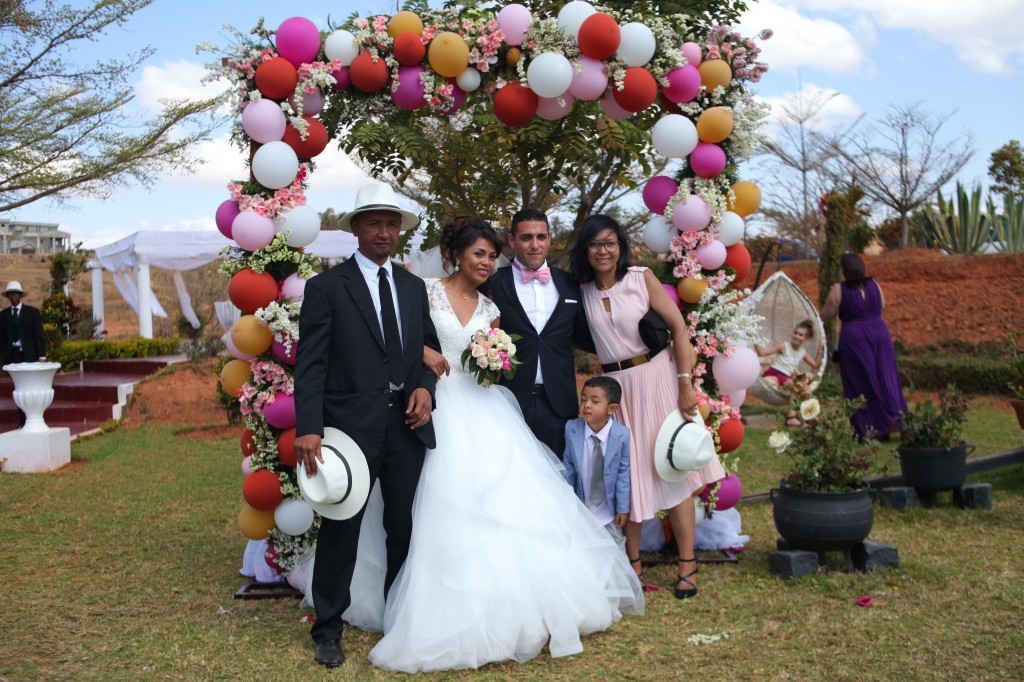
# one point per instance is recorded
(1008, 226)
(959, 226)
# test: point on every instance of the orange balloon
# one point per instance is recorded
(714, 125)
(276, 78)
(730, 435)
(515, 105)
(249, 336)
(714, 73)
(747, 198)
(367, 74)
(705, 411)
(408, 49)
(448, 54)
(690, 289)
(233, 376)
(255, 524)
(405, 22)
(513, 56)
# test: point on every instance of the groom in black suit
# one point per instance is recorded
(543, 305)
(360, 368)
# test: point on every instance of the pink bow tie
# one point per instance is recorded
(543, 275)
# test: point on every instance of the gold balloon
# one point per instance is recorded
(448, 54)
(405, 22)
(255, 524)
(234, 375)
(249, 336)
(705, 411)
(690, 290)
(714, 125)
(513, 56)
(748, 198)
(715, 72)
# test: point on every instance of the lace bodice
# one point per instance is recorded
(453, 335)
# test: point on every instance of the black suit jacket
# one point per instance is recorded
(33, 342)
(341, 371)
(554, 343)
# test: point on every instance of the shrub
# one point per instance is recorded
(926, 425)
(934, 370)
(70, 353)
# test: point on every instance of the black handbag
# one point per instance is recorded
(653, 332)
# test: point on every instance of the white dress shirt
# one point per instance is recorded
(599, 508)
(539, 301)
(371, 273)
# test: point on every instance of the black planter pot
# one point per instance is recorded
(934, 469)
(822, 522)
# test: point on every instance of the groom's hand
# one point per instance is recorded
(417, 413)
(307, 449)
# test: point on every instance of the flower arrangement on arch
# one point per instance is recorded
(491, 356)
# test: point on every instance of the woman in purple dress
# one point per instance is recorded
(867, 361)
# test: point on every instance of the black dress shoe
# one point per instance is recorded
(329, 654)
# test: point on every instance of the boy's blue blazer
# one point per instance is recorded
(616, 463)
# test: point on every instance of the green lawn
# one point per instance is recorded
(123, 566)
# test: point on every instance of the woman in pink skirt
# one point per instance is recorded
(615, 297)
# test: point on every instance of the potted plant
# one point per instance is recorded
(932, 455)
(1016, 382)
(822, 503)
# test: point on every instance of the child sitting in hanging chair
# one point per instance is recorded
(788, 357)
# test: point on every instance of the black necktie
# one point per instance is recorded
(17, 327)
(392, 339)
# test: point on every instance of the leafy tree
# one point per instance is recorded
(1006, 169)
(65, 128)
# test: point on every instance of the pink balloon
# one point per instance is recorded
(657, 193)
(247, 465)
(341, 79)
(312, 103)
(293, 287)
(409, 93)
(298, 41)
(692, 53)
(691, 216)
(550, 110)
(234, 350)
(711, 256)
(281, 413)
(458, 98)
(252, 231)
(226, 214)
(285, 356)
(591, 81)
(612, 109)
(737, 398)
(707, 160)
(730, 490)
(673, 293)
(264, 121)
(516, 22)
(737, 371)
(683, 84)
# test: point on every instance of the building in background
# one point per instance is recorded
(27, 237)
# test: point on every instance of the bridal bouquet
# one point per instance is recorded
(491, 355)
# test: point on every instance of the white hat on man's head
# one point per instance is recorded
(14, 286)
(378, 197)
(341, 484)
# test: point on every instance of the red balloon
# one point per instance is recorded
(730, 435)
(668, 105)
(738, 258)
(368, 75)
(315, 142)
(515, 105)
(639, 90)
(262, 490)
(409, 49)
(248, 443)
(599, 36)
(277, 78)
(250, 292)
(286, 447)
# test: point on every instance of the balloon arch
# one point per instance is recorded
(522, 67)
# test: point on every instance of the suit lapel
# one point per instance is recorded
(559, 300)
(355, 284)
(505, 280)
(406, 304)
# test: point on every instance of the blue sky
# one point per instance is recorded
(955, 58)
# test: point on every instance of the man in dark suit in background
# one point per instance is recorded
(21, 333)
(360, 369)
(543, 305)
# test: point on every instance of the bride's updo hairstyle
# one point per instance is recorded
(461, 233)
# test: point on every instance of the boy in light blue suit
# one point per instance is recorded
(597, 456)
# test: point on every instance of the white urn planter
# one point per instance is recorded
(33, 391)
(35, 446)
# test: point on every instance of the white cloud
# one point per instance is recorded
(173, 80)
(839, 109)
(802, 41)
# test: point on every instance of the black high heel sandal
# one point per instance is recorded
(647, 587)
(692, 591)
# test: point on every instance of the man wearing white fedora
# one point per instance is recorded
(360, 369)
(21, 333)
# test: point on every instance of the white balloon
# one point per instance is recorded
(293, 517)
(572, 15)
(636, 45)
(658, 234)
(275, 165)
(674, 136)
(730, 228)
(468, 80)
(341, 45)
(549, 74)
(304, 224)
(698, 509)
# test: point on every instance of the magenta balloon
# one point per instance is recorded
(281, 413)
(591, 81)
(692, 53)
(657, 192)
(550, 110)
(711, 256)
(298, 41)
(516, 22)
(285, 356)
(341, 79)
(707, 160)
(612, 109)
(458, 98)
(737, 371)
(409, 93)
(692, 216)
(226, 214)
(683, 84)
(673, 293)
(730, 490)
(312, 103)
(264, 121)
(252, 231)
